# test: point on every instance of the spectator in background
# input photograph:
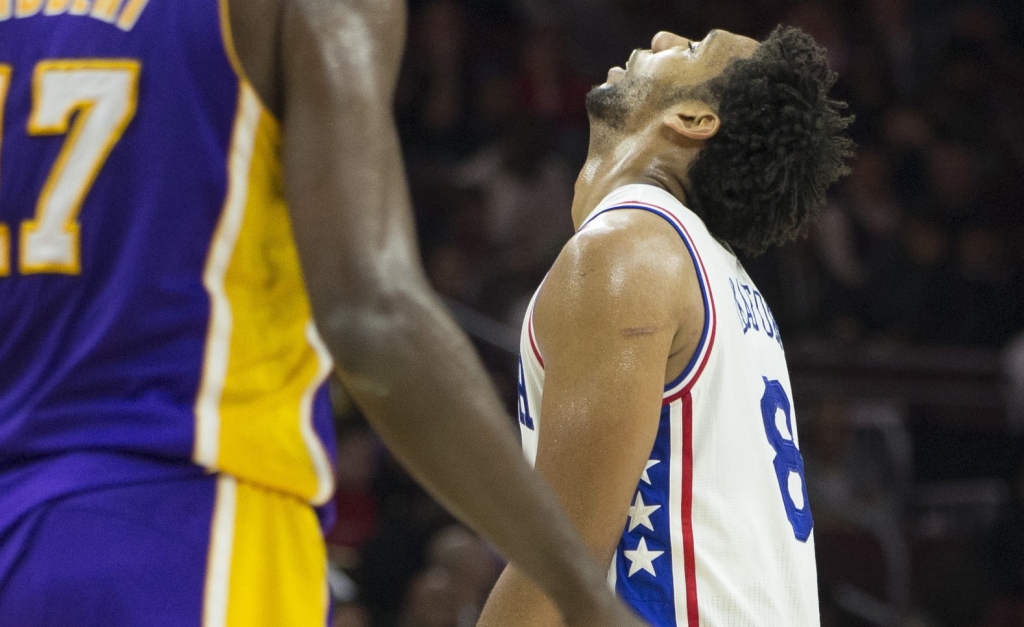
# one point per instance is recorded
(889, 21)
(824, 22)
(357, 518)
(527, 188)
(451, 272)
(858, 463)
(1013, 375)
(551, 91)
(391, 560)
(549, 87)
(954, 183)
(433, 91)
(857, 238)
(906, 133)
(350, 615)
(452, 587)
(471, 566)
(989, 304)
(432, 601)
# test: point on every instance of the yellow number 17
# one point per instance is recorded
(104, 94)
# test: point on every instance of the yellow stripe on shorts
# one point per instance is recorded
(267, 564)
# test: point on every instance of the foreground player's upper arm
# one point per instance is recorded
(606, 319)
(344, 177)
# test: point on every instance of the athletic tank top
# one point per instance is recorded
(719, 531)
(151, 301)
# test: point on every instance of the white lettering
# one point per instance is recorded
(124, 13)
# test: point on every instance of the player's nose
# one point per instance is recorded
(665, 40)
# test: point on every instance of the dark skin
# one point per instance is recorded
(327, 69)
(619, 315)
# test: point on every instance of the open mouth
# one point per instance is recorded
(636, 51)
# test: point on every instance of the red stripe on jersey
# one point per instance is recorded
(533, 342)
(685, 391)
(689, 562)
(702, 276)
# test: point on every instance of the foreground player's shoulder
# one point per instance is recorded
(627, 264)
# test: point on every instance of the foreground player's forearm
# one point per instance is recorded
(414, 375)
(404, 361)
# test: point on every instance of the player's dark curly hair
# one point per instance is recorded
(761, 179)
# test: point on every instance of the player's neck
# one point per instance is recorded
(615, 162)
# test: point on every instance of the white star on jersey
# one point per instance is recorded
(640, 513)
(644, 477)
(642, 558)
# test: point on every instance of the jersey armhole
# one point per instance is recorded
(688, 377)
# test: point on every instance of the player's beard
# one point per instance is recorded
(611, 104)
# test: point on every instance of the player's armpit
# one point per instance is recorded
(607, 320)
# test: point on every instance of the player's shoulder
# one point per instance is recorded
(629, 240)
(623, 259)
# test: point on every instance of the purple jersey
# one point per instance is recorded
(152, 307)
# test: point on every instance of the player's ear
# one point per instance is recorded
(692, 119)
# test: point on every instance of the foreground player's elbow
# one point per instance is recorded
(361, 330)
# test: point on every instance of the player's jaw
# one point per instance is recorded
(672, 61)
(617, 73)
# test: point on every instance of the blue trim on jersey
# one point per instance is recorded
(700, 279)
(653, 597)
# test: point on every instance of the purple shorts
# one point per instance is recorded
(197, 551)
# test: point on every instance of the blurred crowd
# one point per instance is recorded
(922, 244)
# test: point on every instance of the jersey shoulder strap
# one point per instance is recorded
(697, 240)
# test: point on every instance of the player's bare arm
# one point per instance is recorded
(404, 361)
(619, 314)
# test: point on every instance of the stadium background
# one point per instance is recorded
(902, 313)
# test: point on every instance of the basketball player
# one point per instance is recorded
(654, 394)
(199, 208)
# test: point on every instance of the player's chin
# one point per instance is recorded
(615, 75)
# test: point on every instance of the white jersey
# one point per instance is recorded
(719, 529)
